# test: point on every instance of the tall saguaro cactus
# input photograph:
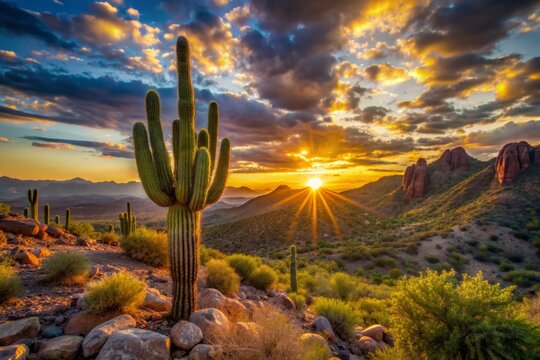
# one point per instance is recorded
(46, 214)
(33, 199)
(197, 181)
(292, 270)
(57, 219)
(128, 222)
(68, 215)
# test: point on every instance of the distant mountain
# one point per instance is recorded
(242, 191)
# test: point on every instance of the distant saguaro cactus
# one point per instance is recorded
(57, 219)
(128, 222)
(46, 214)
(25, 212)
(111, 228)
(292, 270)
(33, 199)
(197, 182)
(68, 215)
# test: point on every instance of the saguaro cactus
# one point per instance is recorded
(196, 182)
(33, 199)
(68, 214)
(111, 228)
(57, 219)
(128, 222)
(25, 211)
(292, 270)
(46, 214)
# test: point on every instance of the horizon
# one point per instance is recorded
(349, 98)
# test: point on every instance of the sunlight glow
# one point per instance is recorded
(314, 183)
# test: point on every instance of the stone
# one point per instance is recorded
(322, 325)
(375, 332)
(84, 241)
(366, 344)
(17, 225)
(212, 322)
(42, 232)
(314, 339)
(41, 253)
(285, 301)
(14, 330)
(388, 338)
(60, 348)
(179, 354)
(212, 298)
(51, 332)
(202, 352)
(415, 179)
(97, 337)
(454, 159)
(14, 352)
(27, 258)
(135, 344)
(157, 302)
(185, 335)
(513, 159)
(247, 330)
(83, 322)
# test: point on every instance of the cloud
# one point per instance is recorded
(134, 13)
(386, 74)
(106, 149)
(4, 140)
(8, 56)
(509, 132)
(53, 146)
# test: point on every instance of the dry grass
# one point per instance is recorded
(65, 268)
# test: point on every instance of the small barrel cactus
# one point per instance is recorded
(33, 199)
(292, 270)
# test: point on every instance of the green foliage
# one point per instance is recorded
(119, 291)
(316, 351)
(436, 317)
(263, 277)
(82, 229)
(110, 238)
(299, 300)
(244, 265)
(432, 259)
(343, 285)
(65, 268)
(33, 200)
(46, 214)
(210, 253)
(128, 222)
(11, 285)
(523, 278)
(373, 311)
(4, 208)
(293, 270)
(342, 315)
(221, 276)
(147, 246)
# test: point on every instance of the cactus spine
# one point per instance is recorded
(68, 214)
(25, 210)
(57, 219)
(128, 222)
(46, 214)
(33, 199)
(292, 265)
(197, 181)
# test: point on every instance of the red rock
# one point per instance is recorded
(83, 322)
(536, 157)
(27, 258)
(415, 179)
(42, 233)
(16, 225)
(454, 159)
(512, 160)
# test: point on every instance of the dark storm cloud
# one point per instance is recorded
(20, 22)
(510, 131)
(370, 114)
(105, 149)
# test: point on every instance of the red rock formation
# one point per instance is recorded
(454, 159)
(415, 179)
(512, 160)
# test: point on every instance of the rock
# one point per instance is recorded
(375, 332)
(415, 179)
(27, 258)
(246, 330)
(14, 330)
(14, 352)
(366, 344)
(285, 301)
(513, 159)
(212, 298)
(97, 337)
(42, 232)
(388, 338)
(41, 253)
(51, 332)
(158, 278)
(179, 354)
(314, 339)
(536, 156)
(185, 335)
(94, 272)
(17, 225)
(202, 352)
(454, 159)
(60, 348)
(322, 325)
(84, 241)
(135, 344)
(83, 322)
(157, 302)
(212, 322)
(55, 232)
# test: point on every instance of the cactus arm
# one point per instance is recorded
(222, 170)
(213, 127)
(46, 214)
(57, 219)
(200, 181)
(175, 142)
(147, 169)
(159, 150)
(202, 142)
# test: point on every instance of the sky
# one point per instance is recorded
(344, 90)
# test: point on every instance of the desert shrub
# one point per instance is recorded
(263, 277)
(3, 238)
(343, 285)
(432, 259)
(314, 350)
(342, 315)
(373, 311)
(394, 273)
(243, 264)
(385, 261)
(119, 291)
(456, 261)
(505, 267)
(4, 208)
(109, 238)
(514, 257)
(82, 229)
(493, 237)
(10, 284)
(210, 253)
(147, 246)
(299, 300)
(221, 276)
(65, 268)
(436, 317)
(522, 278)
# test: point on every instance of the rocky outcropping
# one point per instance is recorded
(453, 159)
(513, 159)
(415, 180)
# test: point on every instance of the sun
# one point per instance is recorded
(314, 183)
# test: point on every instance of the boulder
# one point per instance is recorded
(322, 325)
(376, 332)
(84, 241)
(41, 253)
(454, 159)
(135, 344)
(60, 348)
(212, 298)
(14, 330)
(212, 322)
(202, 352)
(285, 301)
(247, 330)
(312, 339)
(185, 335)
(56, 232)
(25, 257)
(14, 352)
(157, 302)
(42, 233)
(97, 337)
(513, 159)
(366, 344)
(415, 179)
(83, 322)
(49, 332)
(17, 225)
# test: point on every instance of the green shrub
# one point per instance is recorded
(436, 317)
(373, 311)
(210, 253)
(110, 238)
(3, 238)
(82, 229)
(342, 315)
(119, 291)
(524, 278)
(395, 273)
(65, 268)
(243, 264)
(263, 277)
(10, 284)
(432, 259)
(147, 246)
(514, 257)
(221, 276)
(385, 261)
(4, 208)
(342, 285)
(299, 300)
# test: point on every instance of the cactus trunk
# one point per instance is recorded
(46, 214)
(68, 215)
(57, 219)
(25, 211)
(33, 199)
(294, 282)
